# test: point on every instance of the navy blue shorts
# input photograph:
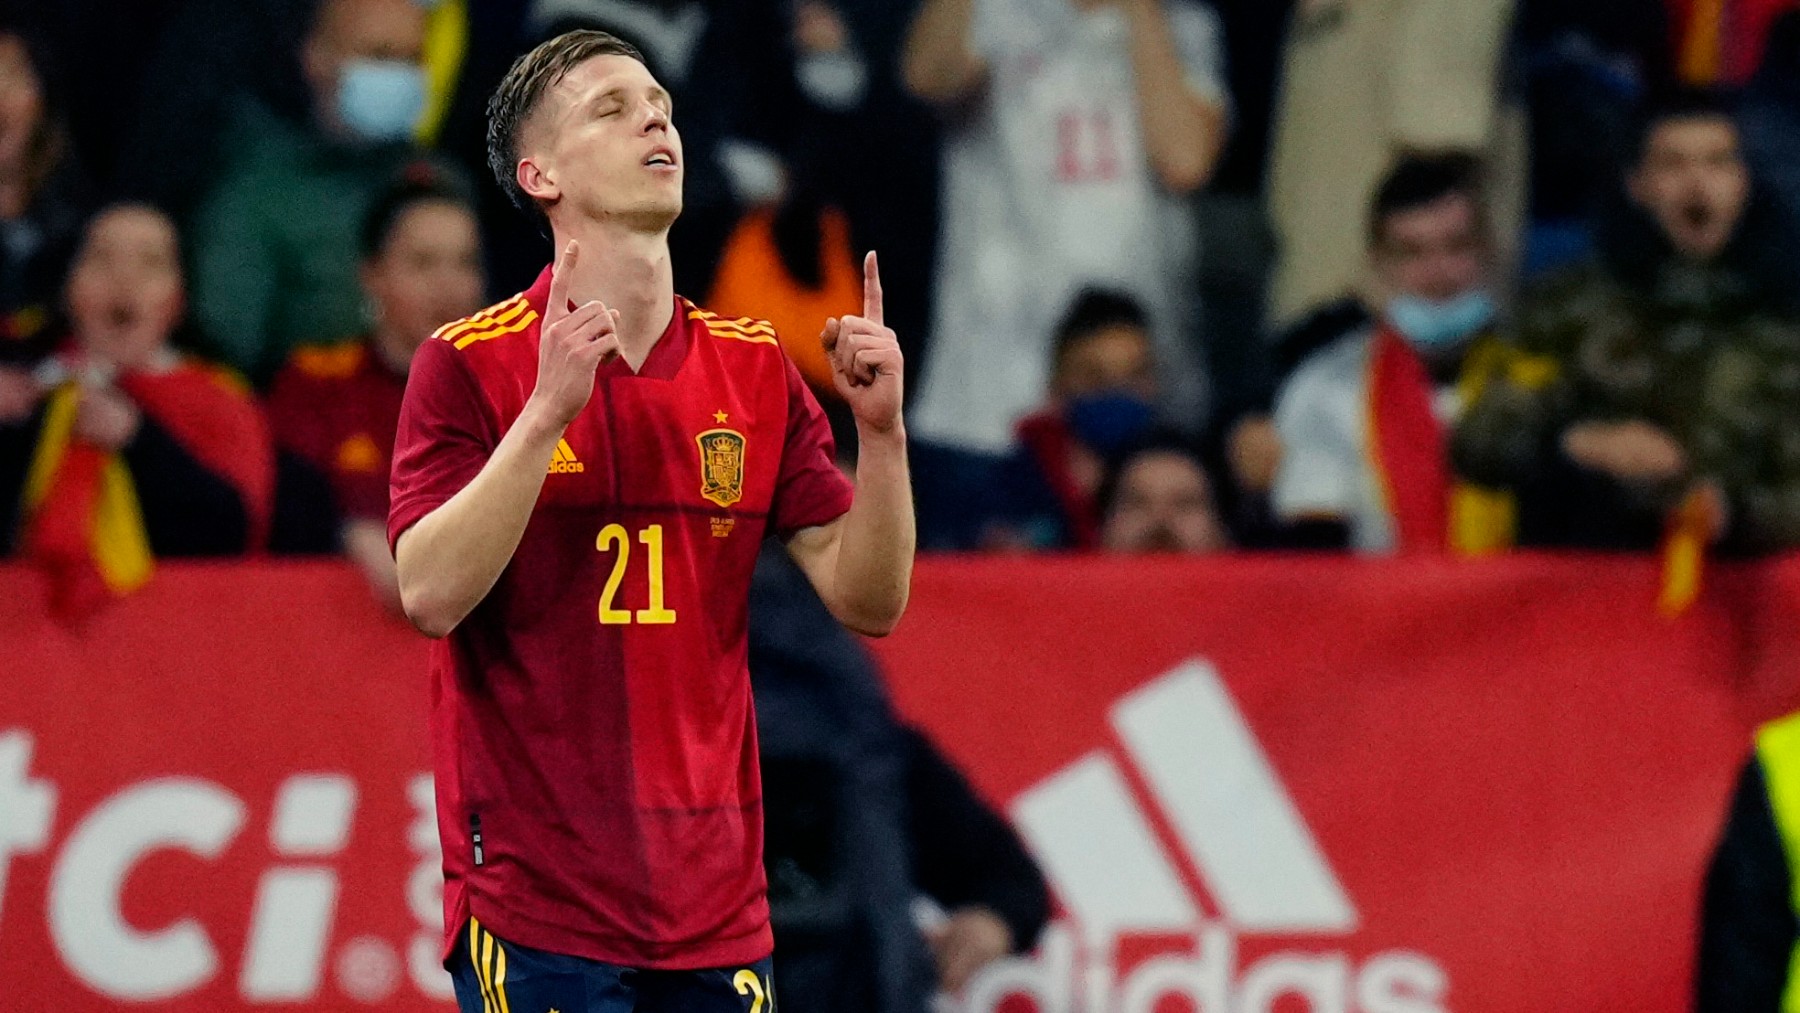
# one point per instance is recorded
(498, 977)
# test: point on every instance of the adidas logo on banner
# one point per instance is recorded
(1230, 818)
(563, 462)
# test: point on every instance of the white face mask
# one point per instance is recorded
(381, 100)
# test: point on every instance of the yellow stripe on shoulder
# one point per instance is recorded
(513, 324)
(757, 332)
(499, 313)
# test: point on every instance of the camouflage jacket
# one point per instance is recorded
(1692, 352)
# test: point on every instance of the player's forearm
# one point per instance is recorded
(1183, 136)
(939, 64)
(450, 559)
(873, 574)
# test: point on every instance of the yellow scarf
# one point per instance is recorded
(117, 543)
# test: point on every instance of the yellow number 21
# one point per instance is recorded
(747, 983)
(615, 535)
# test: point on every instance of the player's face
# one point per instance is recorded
(125, 290)
(1109, 359)
(429, 273)
(21, 101)
(606, 146)
(1693, 181)
(1164, 504)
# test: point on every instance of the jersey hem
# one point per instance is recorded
(514, 927)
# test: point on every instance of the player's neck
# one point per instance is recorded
(629, 271)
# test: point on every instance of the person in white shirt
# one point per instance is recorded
(1078, 127)
(1339, 482)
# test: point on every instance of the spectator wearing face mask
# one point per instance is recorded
(1364, 422)
(275, 250)
(1102, 398)
(120, 449)
(1158, 498)
(334, 408)
(1665, 399)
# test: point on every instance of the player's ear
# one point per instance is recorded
(535, 181)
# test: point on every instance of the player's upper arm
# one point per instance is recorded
(444, 438)
(815, 551)
(810, 490)
(1316, 478)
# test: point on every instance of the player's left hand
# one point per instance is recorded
(866, 360)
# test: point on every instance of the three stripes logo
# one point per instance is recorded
(564, 462)
(510, 317)
(1189, 797)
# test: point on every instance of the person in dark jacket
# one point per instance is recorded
(1662, 380)
(1748, 928)
(119, 448)
(864, 816)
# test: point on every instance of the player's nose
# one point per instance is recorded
(655, 118)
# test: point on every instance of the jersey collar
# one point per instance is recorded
(666, 356)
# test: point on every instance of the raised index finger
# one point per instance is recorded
(559, 281)
(872, 289)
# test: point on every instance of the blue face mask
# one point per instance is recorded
(1108, 420)
(381, 100)
(1429, 324)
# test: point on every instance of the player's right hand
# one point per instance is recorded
(572, 343)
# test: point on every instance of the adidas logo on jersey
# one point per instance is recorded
(563, 462)
(1189, 798)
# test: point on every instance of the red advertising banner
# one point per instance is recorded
(1256, 785)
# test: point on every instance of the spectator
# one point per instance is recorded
(275, 249)
(121, 448)
(1157, 497)
(1664, 371)
(1748, 925)
(335, 407)
(1078, 132)
(1583, 68)
(1363, 422)
(43, 198)
(1363, 82)
(864, 816)
(1102, 399)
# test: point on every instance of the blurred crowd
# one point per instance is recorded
(1381, 276)
(1391, 277)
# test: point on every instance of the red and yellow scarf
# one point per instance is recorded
(84, 526)
(1408, 453)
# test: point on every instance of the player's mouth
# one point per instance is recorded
(661, 159)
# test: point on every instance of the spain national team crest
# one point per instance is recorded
(721, 465)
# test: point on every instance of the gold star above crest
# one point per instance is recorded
(720, 416)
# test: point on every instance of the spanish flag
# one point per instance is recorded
(84, 526)
(1408, 452)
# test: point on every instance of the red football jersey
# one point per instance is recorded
(336, 406)
(597, 784)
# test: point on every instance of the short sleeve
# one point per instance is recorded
(1200, 46)
(444, 439)
(810, 490)
(1317, 476)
